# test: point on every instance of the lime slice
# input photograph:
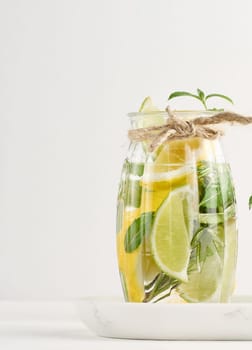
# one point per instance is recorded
(153, 119)
(170, 237)
(202, 285)
(188, 211)
(149, 266)
(147, 105)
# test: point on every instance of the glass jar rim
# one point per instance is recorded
(178, 113)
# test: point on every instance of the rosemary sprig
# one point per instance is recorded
(162, 283)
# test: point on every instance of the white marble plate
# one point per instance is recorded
(112, 317)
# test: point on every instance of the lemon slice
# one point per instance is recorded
(130, 264)
(178, 152)
(156, 181)
(170, 237)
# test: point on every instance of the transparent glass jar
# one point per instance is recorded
(176, 219)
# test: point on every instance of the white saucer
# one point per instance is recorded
(112, 317)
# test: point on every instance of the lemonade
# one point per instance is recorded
(176, 220)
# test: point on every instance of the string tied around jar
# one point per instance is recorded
(177, 128)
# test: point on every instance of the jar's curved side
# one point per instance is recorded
(230, 232)
(195, 169)
(144, 187)
(227, 204)
(128, 224)
(216, 236)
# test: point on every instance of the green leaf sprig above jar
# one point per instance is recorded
(176, 208)
(201, 96)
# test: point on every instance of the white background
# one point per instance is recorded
(69, 72)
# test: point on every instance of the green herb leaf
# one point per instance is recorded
(250, 202)
(221, 96)
(211, 199)
(206, 241)
(201, 94)
(202, 97)
(138, 229)
(226, 185)
(182, 93)
(216, 192)
(161, 283)
(216, 196)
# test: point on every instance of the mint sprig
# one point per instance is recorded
(201, 96)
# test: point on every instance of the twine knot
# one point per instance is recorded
(176, 128)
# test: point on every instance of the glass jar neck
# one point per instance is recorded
(148, 119)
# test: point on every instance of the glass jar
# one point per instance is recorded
(176, 219)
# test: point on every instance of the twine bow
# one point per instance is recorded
(176, 128)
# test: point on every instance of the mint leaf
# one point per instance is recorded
(226, 185)
(201, 94)
(211, 199)
(182, 93)
(202, 97)
(250, 202)
(221, 96)
(216, 191)
(137, 230)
